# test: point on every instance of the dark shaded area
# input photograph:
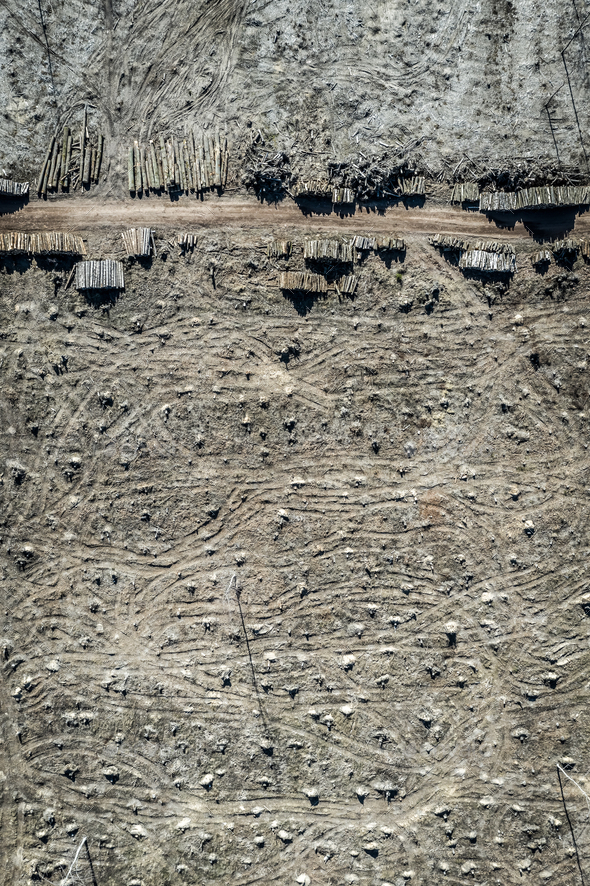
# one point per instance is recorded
(544, 225)
(10, 205)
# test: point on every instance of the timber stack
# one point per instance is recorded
(187, 241)
(567, 248)
(10, 188)
(448, 243)
(465, 192)
(534, 198)
(346, 285)
(316, 187)
(48, 243)
(364, 244)
(343, 195)
(279, 249)
(412, 187)
(300, 281)
(484, 260)
(543, 257)
(137, 241)
(73, 160)
(196, 163)
(390, 244)
(106, 274)
(328, 250)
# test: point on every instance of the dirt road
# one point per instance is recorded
(90, 214)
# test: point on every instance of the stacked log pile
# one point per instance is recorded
(10, 188)
(534, 198)
(72, 161)
(279, 249)
(106, 274)
(347, 285)
(312, 188)
(543, 257)
(482, 260)
(390, 244)
(483, 255)
(187, 241)
(137, 241)
(343, 195)
(565, 248)
(48, 243)
(328, 250)
(364, 244)
(301, 281)
(448, 243)
(412, 187)
(585, 248)
(195, 163)
(465, 192)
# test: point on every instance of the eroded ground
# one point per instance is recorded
(293, 588)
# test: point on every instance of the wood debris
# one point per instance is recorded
(137, 241)
(328, 250)
(301, 281)
(279, 249)
(465, 192)
(47, 243)
(534, 198)
(585, 248)
(106, 274)
(193, 164)
(10, 188)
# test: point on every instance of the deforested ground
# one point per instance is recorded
(293, 589)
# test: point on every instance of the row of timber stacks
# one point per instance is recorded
(482, 255)
(138, 241)
(534, 198)
(190, 164)
(106, 274)
(339, 251)
(72, 161)
(48, 243)
(9, 188)
(302, 281)
(465, 192)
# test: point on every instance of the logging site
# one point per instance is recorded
(294, 469)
